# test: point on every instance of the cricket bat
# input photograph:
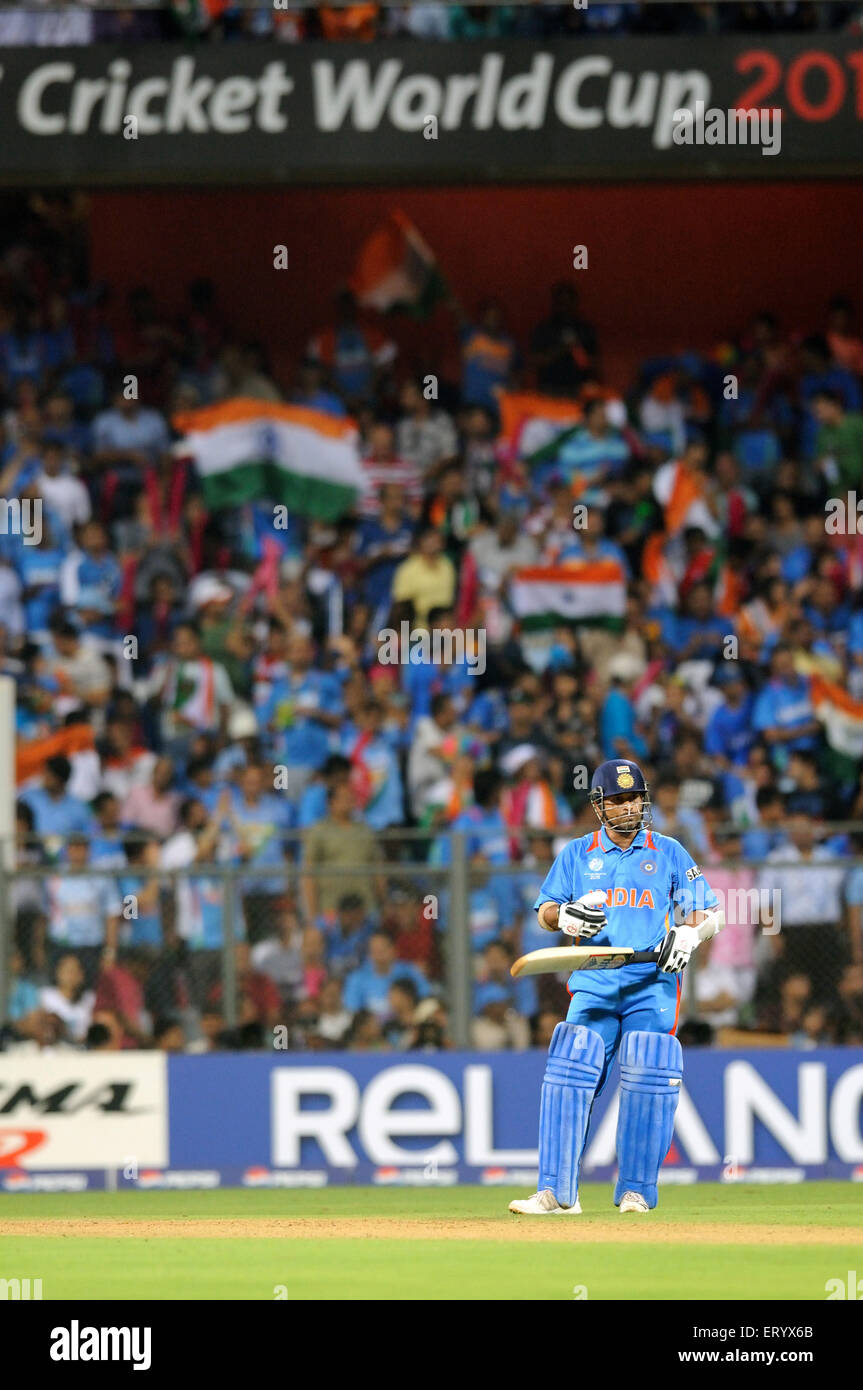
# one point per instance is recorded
(569, 958)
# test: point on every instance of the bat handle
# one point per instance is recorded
(643, 958)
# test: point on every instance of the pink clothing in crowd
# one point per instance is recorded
(147, 810)
(735, 943)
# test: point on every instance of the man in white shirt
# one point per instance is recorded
(430, 759)
(80, 666)
(60, 489)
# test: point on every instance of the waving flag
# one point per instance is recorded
(32, 754)
(529, 421)
(246, 450)
(592, 591)
(395, 269)
(840, 714)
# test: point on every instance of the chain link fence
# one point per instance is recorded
(403, 953)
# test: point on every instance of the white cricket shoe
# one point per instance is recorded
(544, 1204)
(633, 1201)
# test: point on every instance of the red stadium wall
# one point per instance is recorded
(670, 265)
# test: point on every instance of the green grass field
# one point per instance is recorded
(706, 1241)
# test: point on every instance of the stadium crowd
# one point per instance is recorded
(70, 22)
(167, 675)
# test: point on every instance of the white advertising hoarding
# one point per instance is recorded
(83, 1110)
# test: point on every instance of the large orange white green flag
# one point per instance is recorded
(587, 591)
(395, 269)
(530, 421)
(840, 714)
(252, 450)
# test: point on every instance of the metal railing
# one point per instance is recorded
(451, 884)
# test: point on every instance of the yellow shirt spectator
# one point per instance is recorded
(427, 578)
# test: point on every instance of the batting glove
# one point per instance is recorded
(584, 917)
(676, 949)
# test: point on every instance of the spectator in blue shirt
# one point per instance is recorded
(106, 845)
(487, 716)
(375, 769)
(591, 543)
(486, 832)
(382, 542)
(259, 819)
(522, 994)
(698, 633)
(347, 938)
(729, 735)
(38, 568)
(783, 713)
(619, 735)
(368, 987)
(824, 611)
(92, 567)
(302, 708)
(57, 814)
(314, 800)
(489, 357)
(142, 920)
(311, 391)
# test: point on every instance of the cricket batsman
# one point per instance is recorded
(619, 886)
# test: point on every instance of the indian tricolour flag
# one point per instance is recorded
(247, 450)
(840, 714)
(395, 269)
(589, 591)
(529, 421)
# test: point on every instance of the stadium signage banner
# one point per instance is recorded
(71, 1110)
(258, 113)
(437, 1119)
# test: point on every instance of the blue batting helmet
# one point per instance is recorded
(615, 777)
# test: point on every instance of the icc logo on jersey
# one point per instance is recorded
(594, 864)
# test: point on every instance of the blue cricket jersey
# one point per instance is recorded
(642, 884)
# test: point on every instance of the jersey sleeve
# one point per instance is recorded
(690, 890)
(563, 881)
